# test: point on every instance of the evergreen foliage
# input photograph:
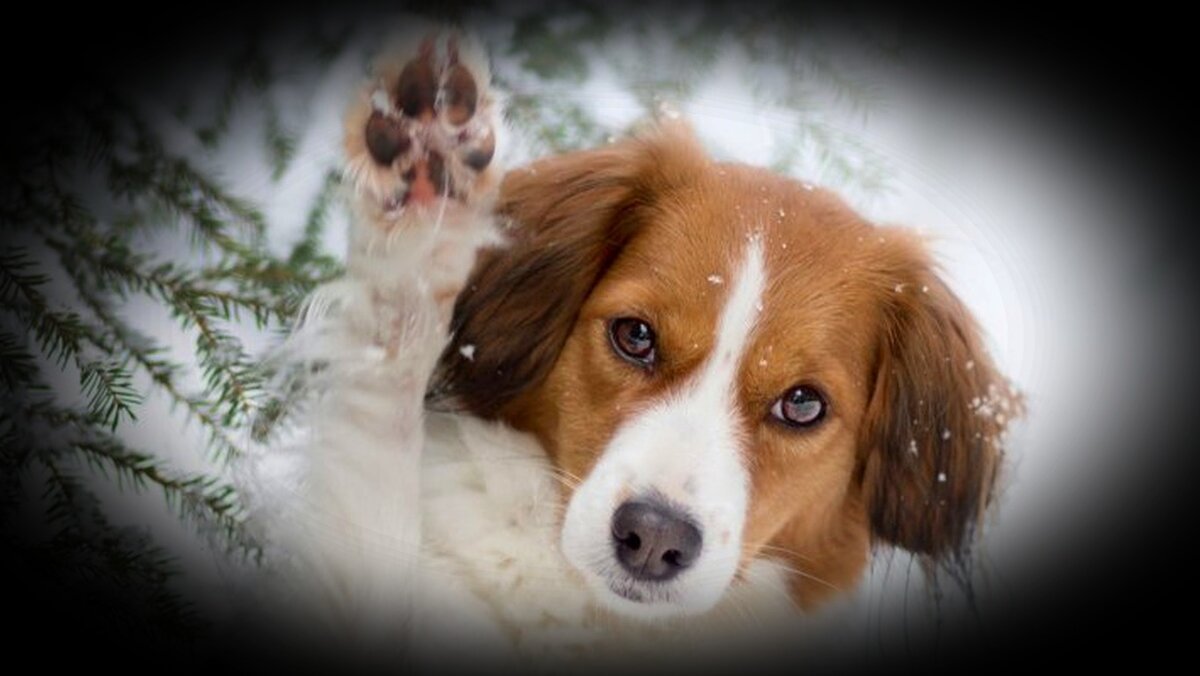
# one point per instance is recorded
(84, 227)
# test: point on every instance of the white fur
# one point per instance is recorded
(687, 447)
(414, 531)
(339, 501)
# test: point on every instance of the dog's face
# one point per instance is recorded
(705, 386)
(730, 365)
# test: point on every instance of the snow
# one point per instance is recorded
(1000, 197)
(468, 352)
(380, 101)
(716, 280)
(669, 111)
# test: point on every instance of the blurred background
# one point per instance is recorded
(174, 194)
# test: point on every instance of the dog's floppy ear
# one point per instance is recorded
(570, 217)
(931, 439)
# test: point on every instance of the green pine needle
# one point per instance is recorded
(54, 330)
(110, 392)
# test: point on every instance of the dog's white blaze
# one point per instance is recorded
(688, 448)
(737, 323)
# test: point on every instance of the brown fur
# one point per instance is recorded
(938, 407)
(630, 229)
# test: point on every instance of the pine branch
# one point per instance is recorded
(237, 280)
(305, 268)
(227, 371)
(107, 263)
(186, 181)
(124, 343)
(225, 366)
(291, 391)
(98, 565)
(162, 373)
(18, 368)
(61, 337)
(120, 270)
(288, 283)
(145, 170)
(307, 252)
(189, 195)
(110, 392)
(17, 279)
(117, 576)
(181, 288)
(206, 501)
(96, 570)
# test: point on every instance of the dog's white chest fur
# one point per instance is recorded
(491, 568)
(490, 507)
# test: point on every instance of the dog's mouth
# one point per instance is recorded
(650, 596)
(629, 592)
(642, 600)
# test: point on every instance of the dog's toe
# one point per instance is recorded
(386, 138)
(429, 133)
(461, 95)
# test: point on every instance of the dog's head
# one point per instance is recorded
(732, 365)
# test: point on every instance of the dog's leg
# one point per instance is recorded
(419, 142)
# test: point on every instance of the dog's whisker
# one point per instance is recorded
(804, 574)
(783, 550)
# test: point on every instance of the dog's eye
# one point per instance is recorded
(633, 339)
(801, 406)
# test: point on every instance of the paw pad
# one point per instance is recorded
(424, 125)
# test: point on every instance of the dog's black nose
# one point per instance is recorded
(653, 541)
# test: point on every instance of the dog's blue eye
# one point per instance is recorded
(800, 406)
(632, 339)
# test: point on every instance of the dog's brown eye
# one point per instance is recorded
(800, 406)
(633, 339)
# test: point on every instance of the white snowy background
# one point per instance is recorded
(1027, 236)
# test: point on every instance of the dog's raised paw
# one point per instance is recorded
(423, 133)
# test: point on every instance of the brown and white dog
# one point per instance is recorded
(668, 385)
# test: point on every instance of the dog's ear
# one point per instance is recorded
(931, 439)
(569, 217)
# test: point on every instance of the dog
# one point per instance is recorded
(611, 396)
